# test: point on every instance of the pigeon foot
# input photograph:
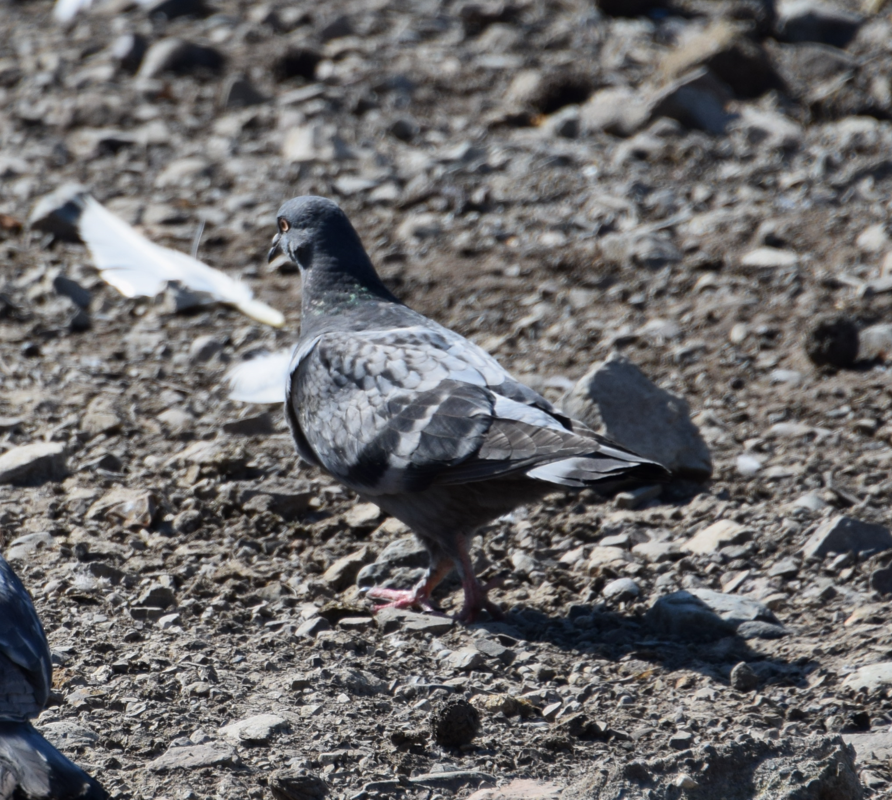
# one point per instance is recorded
(402, 598)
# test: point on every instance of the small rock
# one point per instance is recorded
(769, 258)
(343, 572)
(621, 589)
(845, 534)
(199, 756)
(743, 678)
(180, 57)
(832, 342)
(455, 723)
(129, 50)
(312, 627)
(602, 556)
(66, 287)
(720, 534)
(33, 463)
(204, 348)
(520, 789)
(615, 110)
(875, 342)
(241, 93)
(636, 498)
(258, 729)
(363, 516)
(289, 784)
(816, 21)
(881, 580)
(253, 425)
(466, 659)
(656, 551)
(681, 740)
(618, 400)
(697, 100)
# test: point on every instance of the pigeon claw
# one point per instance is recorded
(476, 600)
(402, 598)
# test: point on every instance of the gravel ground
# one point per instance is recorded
(703, 187)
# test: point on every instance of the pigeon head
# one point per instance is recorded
(317, 236)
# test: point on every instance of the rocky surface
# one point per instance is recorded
(701, 187)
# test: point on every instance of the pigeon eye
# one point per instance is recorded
(284, 225)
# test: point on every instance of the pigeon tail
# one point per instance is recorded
(600, 473)
(31, 763)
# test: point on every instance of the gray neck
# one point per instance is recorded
(330, 290)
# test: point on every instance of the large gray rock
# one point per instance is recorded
(805, 769)
(197, 756)
(33, 463)
(705, 615)
(847, 535)
(618, 400)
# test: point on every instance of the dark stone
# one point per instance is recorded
(743, 678)
(72, 290)
(297, 62)
(832, 342)
(128, 50)
(239, 93)
(171, 9)
(455, 723)
(881, 580)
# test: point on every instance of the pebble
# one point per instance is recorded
(719, 534)
(455, 723)
(342, 573)
(743, 678)
(520, 789)
(832, 341)
(621, 589)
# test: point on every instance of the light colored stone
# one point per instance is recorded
(621, 589)
(871, 676)
(26, 547)
(33, 462)
(876, 745)
(363, 515)
(618, 400)
(199, 756)
(523, 789)
(344, 571)
(601, 556)
(259, 728)
(720, 534)
(769, 258)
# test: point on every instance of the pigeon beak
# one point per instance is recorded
(275, 249)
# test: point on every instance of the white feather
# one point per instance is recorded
(137, 267)
(260, 379)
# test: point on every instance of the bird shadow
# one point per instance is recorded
(595, 633)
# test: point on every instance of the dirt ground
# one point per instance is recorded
(693, 186)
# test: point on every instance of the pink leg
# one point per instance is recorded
(476, 599)
(417, 597)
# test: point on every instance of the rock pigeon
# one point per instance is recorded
(30, 766)
(414, 417)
